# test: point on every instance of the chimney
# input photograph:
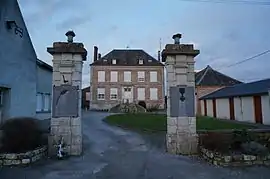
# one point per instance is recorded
(99, 56)
(159, 55)
(95, 53)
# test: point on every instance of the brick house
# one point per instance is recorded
(209, 80)
(126, 75)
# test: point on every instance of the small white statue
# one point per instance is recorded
(60, 149)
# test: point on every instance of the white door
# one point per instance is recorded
(127, 94)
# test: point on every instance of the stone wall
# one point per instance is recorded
(260, 135)
(8, 159)
(233, 159)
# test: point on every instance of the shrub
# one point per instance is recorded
(153, 108)
(20, 135)
(219, 142)
(142, 103)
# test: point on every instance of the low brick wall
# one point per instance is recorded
(8, 159)
(233, 159)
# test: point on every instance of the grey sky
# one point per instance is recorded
(224, 32)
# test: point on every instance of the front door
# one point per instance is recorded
(127, 94)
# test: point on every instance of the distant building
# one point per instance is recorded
(248, 102)
(209, 80)
(126, 76)
(86, 98)
(25, 81)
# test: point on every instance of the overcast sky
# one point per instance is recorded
(224, 32)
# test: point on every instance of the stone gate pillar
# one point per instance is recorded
(68, 60)
(181, 119)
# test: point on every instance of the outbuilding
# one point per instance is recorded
(246, 102)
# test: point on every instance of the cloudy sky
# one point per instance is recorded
(225, 33)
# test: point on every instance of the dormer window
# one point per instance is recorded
(114, 61)
(140, 62)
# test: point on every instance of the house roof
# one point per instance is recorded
(127, 57)
(244, 89)
(210, 77)
(86, 89)
(44, 65)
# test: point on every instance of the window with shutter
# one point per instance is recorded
(101, 76)
(114, 76)
(153, 94)
(153, 76)
(39, 106)
(141, 76)
(127, 76)
(141, 93)
(114, 93)
(101, 93)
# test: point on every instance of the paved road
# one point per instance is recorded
(111, 153)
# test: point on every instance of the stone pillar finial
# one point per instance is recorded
(70, 35)
(177, 38)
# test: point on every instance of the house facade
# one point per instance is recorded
(209, 80)
(248, 102)
(22, 76)
(126, 76)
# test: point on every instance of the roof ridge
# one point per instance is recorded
(206, 70)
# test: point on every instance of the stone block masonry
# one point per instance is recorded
(234, 160)
(181, 119)
(26, 158)
(68, 60)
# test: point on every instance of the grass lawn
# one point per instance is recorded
(158, 123)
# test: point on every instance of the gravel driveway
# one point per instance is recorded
(112, 153)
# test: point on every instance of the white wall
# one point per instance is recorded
(266, 109)
(223, 108)
(243, 109)
(210, 111)
(248, 109)
(202, 107)
(238, 113)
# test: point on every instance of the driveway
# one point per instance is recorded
(112, 153)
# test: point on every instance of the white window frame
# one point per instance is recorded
(39, 102)
(101, 94)
(101, 76)
(114, 93)
(139, 91)
(114, 61)
(127, 76)
(111, 75)
(153, 76)
(140, 62)
(47, 102)
(141, 76)
(151, 93)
